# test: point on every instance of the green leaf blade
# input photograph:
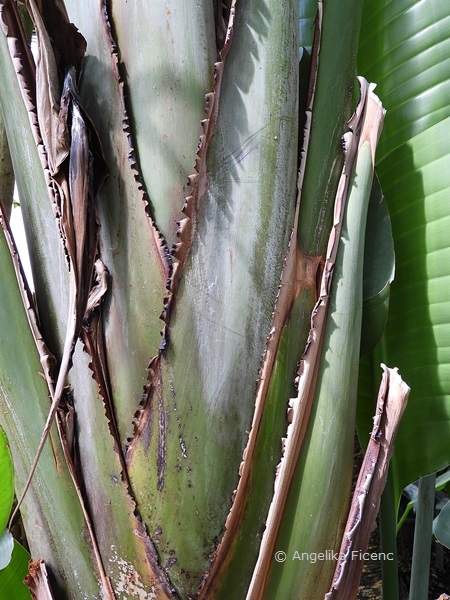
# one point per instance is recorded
(404, 48)
(417, 335)
(11, 578)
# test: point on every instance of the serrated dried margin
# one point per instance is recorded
(11, 25)
(158, 238)
(178, 256)
(198, 180)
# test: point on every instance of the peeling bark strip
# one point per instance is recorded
(392, 399)
(37, 581)
(26, 75)
(364, 125)
(80, 234)
(93, 340)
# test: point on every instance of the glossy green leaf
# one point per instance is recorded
(379, 269)
(11, 578)
(441, 526)
(6, 480)
(405, 49)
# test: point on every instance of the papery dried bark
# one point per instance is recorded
(79, 228)
(392, 399)
(93, 340)
(37, 581)
(50, 61)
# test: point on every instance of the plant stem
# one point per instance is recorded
(422, 538)
(388, 536)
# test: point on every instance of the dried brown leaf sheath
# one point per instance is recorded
(392, 399)
(37, 581)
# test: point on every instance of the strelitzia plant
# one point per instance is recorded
(164, 291)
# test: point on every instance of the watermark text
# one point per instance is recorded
(313, 557)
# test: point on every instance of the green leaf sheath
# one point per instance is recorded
(224, 154)
(131, 246)
(332, 109)
(317, 504)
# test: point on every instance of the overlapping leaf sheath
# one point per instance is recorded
(71, 157)
(243, 212)
(328, 437)
(73, 181)
(154, 443)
